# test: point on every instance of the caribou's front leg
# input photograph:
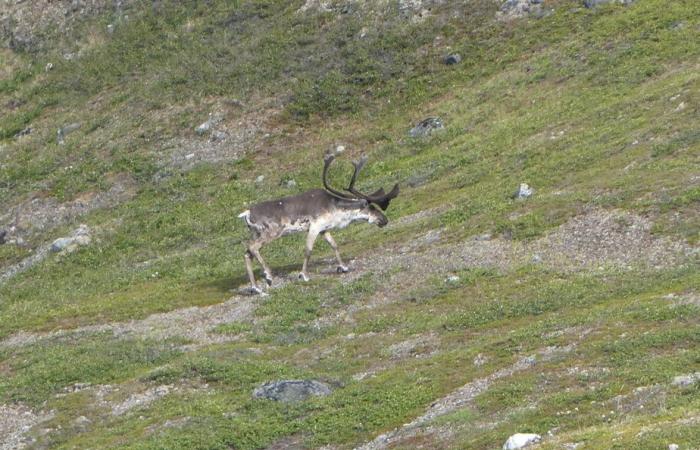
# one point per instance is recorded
(342, 268)
(254, 249)
(310, 239)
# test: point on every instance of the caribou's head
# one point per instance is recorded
(369, 204)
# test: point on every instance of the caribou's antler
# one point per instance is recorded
(379, 198)
(327, 160)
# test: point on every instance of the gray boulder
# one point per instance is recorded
(426, 126)
(452, 59)
(288, 391)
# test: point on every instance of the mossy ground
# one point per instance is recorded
(597, 109)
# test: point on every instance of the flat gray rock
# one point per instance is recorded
(288, 391)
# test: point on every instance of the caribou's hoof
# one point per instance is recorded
(342, 269)
(268, 279)
(256, 290)
(303, 277)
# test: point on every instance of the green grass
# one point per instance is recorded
(583, 105)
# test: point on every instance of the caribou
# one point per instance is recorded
(317, 211)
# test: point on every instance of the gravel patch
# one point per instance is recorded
(15, 422)
(194, 323)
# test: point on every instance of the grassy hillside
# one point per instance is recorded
(471, 317)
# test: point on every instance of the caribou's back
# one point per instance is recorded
(293, 208)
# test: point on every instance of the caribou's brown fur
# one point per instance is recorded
(317, 211)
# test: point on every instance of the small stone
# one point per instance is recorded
(680, 107)
(452, 279)
(452, 59)
(60, 244)
(426, 127)
(340, 149)
(260, 179)
(218, 136)
(26, 131)
(524, 191)
(65, 131)
(203, 128)
(521, 440)
(480, 360)
(49, 66)
(536, 259)
(189, 156)
(291, 183)
(110, 28)
(673, 447)
(82, 422)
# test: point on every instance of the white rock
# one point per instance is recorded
(524, 191)
(686, 380)
(521, 440)
(673, 447)
(260, 179)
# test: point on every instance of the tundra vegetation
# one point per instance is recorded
(473, 315)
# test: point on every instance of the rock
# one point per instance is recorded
(80, 237)
(260, 179)
(110, 28)
(452, 279)
(203, 128)
(521, 440)
(65, 131)
(452, 59)
(61, 243)
(209, 124)
(686, 380)
(218, 136)
(288, 391)
(426, 126)
(339, 149)
(673, 447)
(49, 66)
(24, 132)
(515, 9)
(82, 422)
(524, 191)
(290, 184)
(594, 3)
(480, 360)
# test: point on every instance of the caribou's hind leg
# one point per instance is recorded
(254, 249)
(342, 268)
(249, 268)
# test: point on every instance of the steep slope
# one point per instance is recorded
(572, 313)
